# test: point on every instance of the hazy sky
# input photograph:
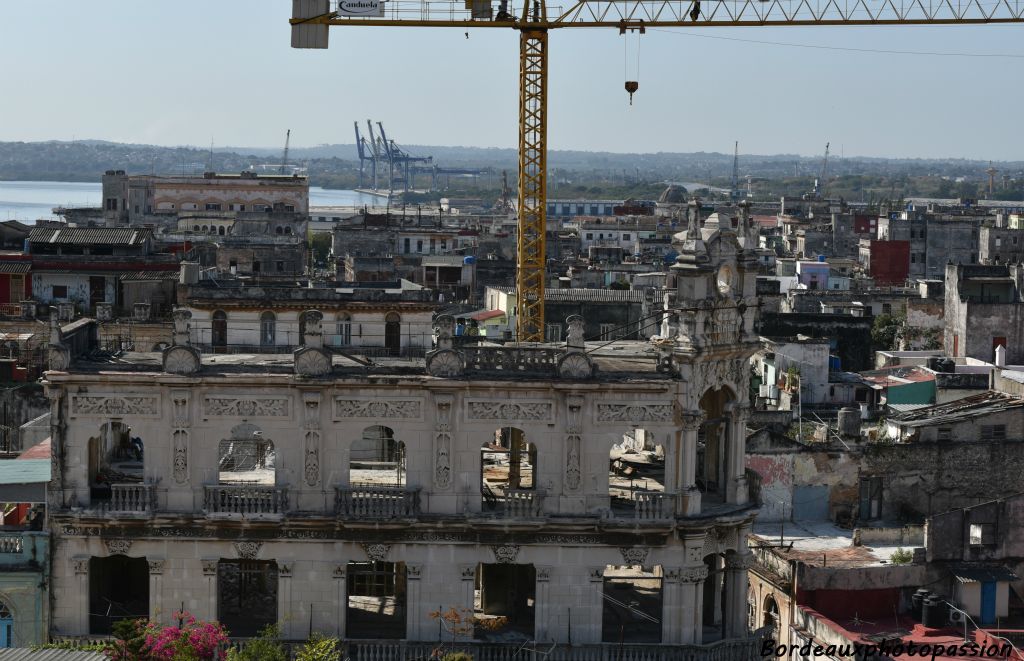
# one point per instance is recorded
(184, 72)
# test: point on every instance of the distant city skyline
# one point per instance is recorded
(183, 74)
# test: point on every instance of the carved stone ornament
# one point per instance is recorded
(634, 412)
(693, 574)
(81, 565)
(377, 552)
(505, 410)
(505, 554)
(182, 359)
(672, 574)
(210, 566)
(739, 561)
(311, 361)
(156, 566)
(311, 407)
(575, 365)
(58, 358)
(443, 460)
(248, 550)
(595, 574)
(313, 328)
(246, 407)
(284, 570)
(114, 406)
(543, 574)
(182, 327)
(180, 462)
(339, 572)
(413, 572)
(118, 546)
(635, 555)
(710, 545)
(311, 465)
(573, 471)
(468, 572)
(180, 409)
(574, 338)
(377, 409)
(445, 363)
(444, 325)
(574, 414)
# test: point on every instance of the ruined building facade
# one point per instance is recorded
(317, 493)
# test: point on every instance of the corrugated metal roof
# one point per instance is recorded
(124, 236)
(966, 408)
(25, 471)
(15, 267)
(30, 654)
(982, 573)
(149, 275)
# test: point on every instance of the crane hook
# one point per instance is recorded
(631, 87)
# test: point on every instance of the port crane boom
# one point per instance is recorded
(312, 19)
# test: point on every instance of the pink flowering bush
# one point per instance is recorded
(193, 640)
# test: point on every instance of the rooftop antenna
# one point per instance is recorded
(209, 162)
(735, 193)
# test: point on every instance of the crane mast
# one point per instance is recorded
(312, 19)
(284, 157)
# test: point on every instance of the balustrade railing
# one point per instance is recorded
(653, 505)
(245, 499)
(519, 504)
(138, 498)
(11, 543)
(372, 502)
(510, 358)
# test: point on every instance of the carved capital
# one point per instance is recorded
(738, 561)
(595, 574)
(543, 574)
(209, 566)
(693, 574)
(413, 571)
(156, 565)
(81, 564)
(284, 570)
(467, 572)
(339, 572)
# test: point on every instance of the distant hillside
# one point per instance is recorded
(337, 165)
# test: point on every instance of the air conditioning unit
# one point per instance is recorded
(956, 616)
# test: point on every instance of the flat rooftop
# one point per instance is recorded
(822, 544)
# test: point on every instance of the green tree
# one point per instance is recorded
(265, 647)
(320, 244)
(320, 648)
(886, 332)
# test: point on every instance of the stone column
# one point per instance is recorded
(341, 602)
(210, 572)
(467, 574)
(738, 493)
(542, 605)
(691, 603)
(686, 463)
(587, 628)
(156, 575)
(736, 581)
(414, 608)
(671, 603)
(284, 599)
(81, 565)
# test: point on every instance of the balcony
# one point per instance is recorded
(246, 500)
(23, 548)
(376, 503)
(653, 505)
(515, 504)
(131, 499)
(12, 543)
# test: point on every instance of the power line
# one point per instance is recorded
(837, 48)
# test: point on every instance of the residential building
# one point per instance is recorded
(983, 310)
(611, 314)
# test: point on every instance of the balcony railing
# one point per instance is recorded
(653, 505)
(511, 359)
(247, 500)
(11, 543)
(132, 498)
(371, 502)
(516, 504)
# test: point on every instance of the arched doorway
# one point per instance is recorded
(219, 332)
(6, 626)
(393, 333)
(713, 446)
(344, 336)
(771, 616)
(377, 459)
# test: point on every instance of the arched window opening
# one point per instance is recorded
(771, 616)
(279, 230)
(393, 333)
(508, 471)
(636, 476)
(247, 461)
(220, 230)
(287, 230)
(632, 604)
(115, 459)
(377, 459)
(219, 331)
(268, 329)
(712, 445)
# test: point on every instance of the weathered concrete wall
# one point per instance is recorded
(851, 335)
(21, 404)
(910, 535)
(811, 577)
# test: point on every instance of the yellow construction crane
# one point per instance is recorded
(311, 20)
